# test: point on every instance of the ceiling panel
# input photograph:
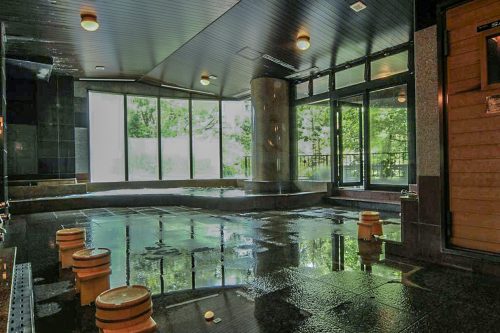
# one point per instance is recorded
(178, 41)
(134, 36)
(338, 34)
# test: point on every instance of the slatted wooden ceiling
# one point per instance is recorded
(176, 41)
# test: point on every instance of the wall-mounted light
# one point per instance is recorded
(89, 22)
(303, 42)
(205, 80)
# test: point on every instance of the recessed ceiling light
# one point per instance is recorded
(205, 80)
(89, 22)
(212, 77)
(358, 6)
(100, 68)
(303, 42)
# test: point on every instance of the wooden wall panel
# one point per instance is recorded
(473, 135)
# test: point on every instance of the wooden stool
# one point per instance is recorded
(364, 231)
(92, 268)
(377, 228)
(125, 309)
(69, 241)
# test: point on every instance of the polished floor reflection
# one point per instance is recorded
(276, 271)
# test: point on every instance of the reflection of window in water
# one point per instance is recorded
(493, 58)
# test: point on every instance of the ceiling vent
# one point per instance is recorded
(358, 6)
(249, 53)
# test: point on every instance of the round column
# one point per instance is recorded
(271, 142)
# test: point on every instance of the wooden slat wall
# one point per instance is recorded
(473, 135)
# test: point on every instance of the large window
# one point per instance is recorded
(206, 163)
(107, 137)
(236, 138)
(313, 129)
(389, 136)
(142, 128)
(174, 138)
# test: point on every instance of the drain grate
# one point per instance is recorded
(21, 305)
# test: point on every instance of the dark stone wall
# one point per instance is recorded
(3, 100)
(56, 128)
(41, 121)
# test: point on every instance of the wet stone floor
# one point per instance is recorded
(276, 271)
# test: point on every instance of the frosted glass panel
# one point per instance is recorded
(107, 137)
(349, 77)
(321, 84)
(206, 139)
(237, 138)
(302, 90)
(174, 138)
(391, 65)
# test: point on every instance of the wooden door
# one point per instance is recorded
(473, 131)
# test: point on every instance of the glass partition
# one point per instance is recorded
(302, 90)
(321, 84)
(237, 138)
(313, 133)
(206, 152)
(388, 126)
(350, 76)
(350, 122)
(390, 65)
(174, 116)
(142, 129)
(107, 137)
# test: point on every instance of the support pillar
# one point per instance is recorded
(271, 138)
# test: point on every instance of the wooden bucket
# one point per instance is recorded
(364, 231)
(70, 235)
(377, 228)
(123, 307)
(369, 217)
(91, 260)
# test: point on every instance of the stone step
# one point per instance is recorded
(369, 195)
(367, 204)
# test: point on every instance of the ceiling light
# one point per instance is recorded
(402, 97)
(358, 6)
(100, 68)
(89, 22)
(303, 42)
(205, 80)
(212, 77)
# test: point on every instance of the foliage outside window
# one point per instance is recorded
(142, 127)
(174, 118)
(236, 138)
(205, 115)
(389, 136)
(313, 132)
(351, 143)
